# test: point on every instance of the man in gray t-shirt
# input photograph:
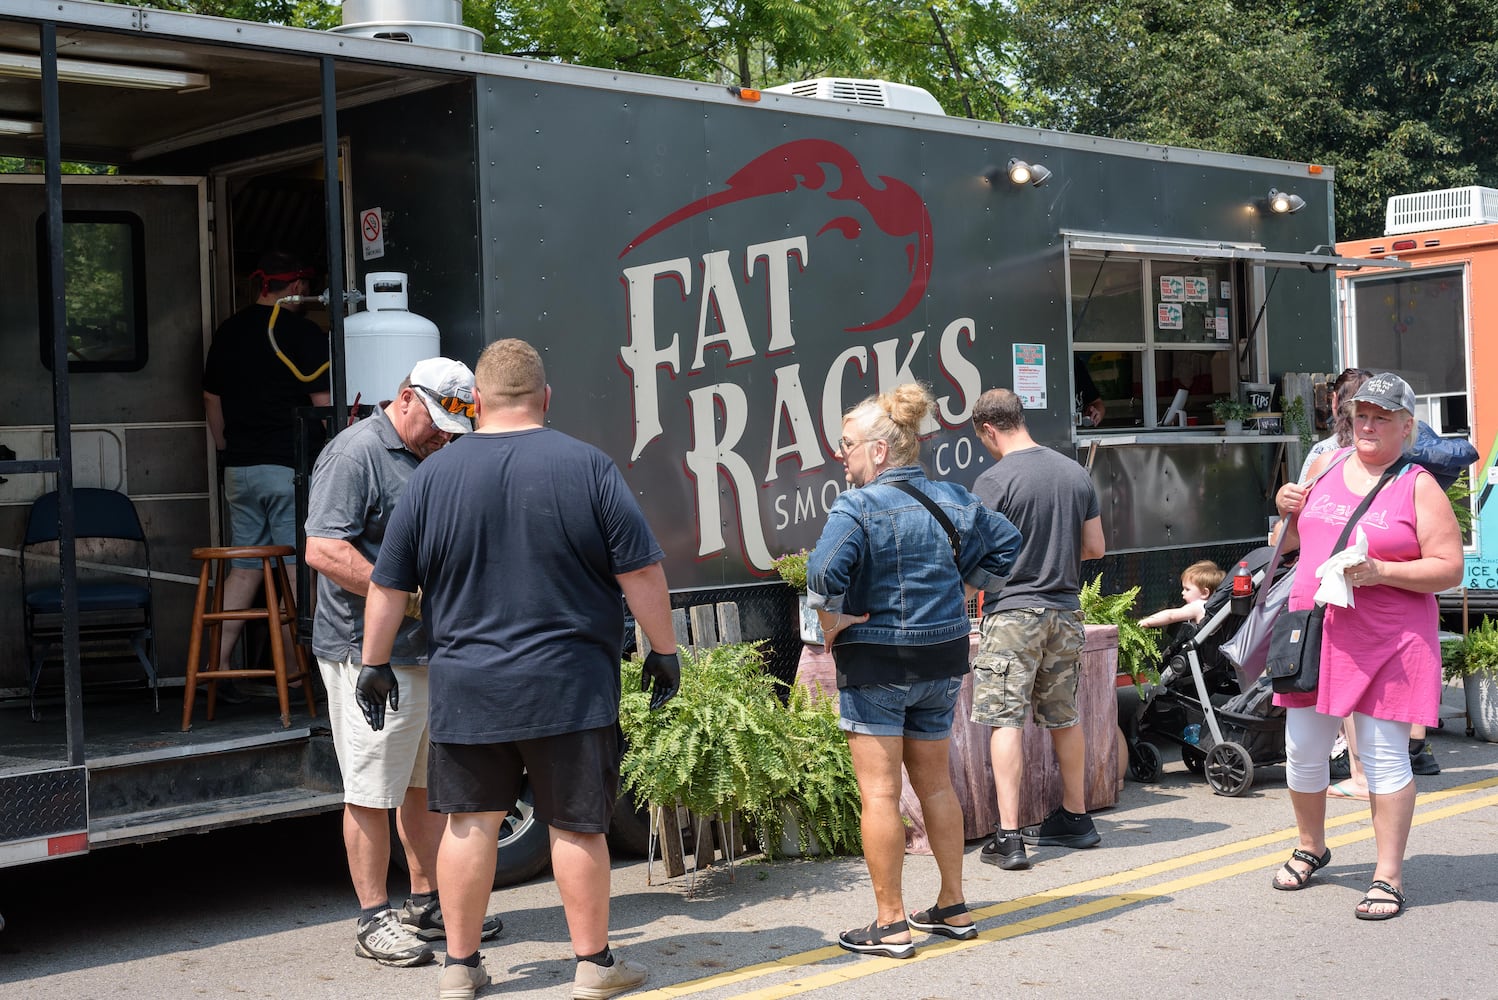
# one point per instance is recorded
(1031, 637)
(357, 482)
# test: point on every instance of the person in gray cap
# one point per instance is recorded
(356, 484)
(1380, 655)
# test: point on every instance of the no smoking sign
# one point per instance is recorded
(372, 233)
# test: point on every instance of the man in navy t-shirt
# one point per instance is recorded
(521, 540)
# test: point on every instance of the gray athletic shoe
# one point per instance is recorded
(597, 982)
(460, 982)
(385, 940)
(426, 922)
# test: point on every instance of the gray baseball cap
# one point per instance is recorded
(1387, 391)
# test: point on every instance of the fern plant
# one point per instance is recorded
(1138, 647)
(1460, 495)
(1475, 653)
(726, 743)
(825, 795)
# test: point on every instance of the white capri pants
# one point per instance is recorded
(1383, 749)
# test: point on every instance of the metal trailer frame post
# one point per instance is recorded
(61, 399)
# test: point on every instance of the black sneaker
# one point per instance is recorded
(426, 922)
(1423, 761)
(1006, 848)
(1340, 766)
(1060, 830)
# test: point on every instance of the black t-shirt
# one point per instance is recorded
(259, 392)
(517, 540)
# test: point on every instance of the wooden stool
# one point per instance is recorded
(279, 610)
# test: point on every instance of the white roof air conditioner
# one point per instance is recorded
(1464, 206)
(872, 93)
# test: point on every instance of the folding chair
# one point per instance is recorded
(114, 611)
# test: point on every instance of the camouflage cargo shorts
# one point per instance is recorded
(1028, 659)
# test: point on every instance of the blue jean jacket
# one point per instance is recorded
(883, 553)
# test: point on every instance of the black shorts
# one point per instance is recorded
(574, 777)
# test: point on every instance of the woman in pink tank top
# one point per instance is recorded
(1380, 658)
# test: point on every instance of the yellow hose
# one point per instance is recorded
(270, 332)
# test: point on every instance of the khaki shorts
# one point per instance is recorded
(378, 767)
(1028, 659)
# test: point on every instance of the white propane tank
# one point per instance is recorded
(383, 343)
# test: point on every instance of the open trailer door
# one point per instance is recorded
(135, 284)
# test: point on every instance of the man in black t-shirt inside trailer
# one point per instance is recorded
(265, 361)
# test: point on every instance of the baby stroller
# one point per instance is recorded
(1213, 702)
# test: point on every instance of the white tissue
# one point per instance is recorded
(1335, 589)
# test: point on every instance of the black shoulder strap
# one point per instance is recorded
(904, 487)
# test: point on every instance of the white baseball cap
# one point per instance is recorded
(446, 386)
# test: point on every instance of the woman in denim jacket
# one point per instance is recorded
(891, 595)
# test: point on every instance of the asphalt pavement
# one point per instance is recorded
(1175, 902)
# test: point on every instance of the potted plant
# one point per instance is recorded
(1138, 647)
(822, 809)
(792, 569)
(1474, 658)
(727, 744)
(1231, 412)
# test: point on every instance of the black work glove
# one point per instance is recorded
(664, 669)
(376, 683)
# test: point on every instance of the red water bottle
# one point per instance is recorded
(1243, 589)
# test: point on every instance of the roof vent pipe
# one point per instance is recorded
(438, 23)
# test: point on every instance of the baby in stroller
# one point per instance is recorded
(1212, 700)
(1197, 583)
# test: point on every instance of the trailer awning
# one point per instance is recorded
(1319, 259)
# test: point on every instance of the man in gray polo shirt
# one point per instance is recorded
(358, 479)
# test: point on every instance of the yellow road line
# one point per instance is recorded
(871, 966)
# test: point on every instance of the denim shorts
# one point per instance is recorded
(262, 508)
(920, 710)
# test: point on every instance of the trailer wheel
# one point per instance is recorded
(1230, 770)
(524, 844)
(1145, 762)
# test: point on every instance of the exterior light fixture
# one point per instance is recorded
(27, 66)
(1284, 203)
(1021, 173)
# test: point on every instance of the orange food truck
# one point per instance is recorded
(1436, 324)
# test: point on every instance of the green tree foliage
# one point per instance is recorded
(319, 14)
(1424, 75)
(1397, 95)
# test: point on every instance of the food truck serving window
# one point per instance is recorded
(103, 291)
(1415, 324)
(1155, 336)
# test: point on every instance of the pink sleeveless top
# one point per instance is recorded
(1383, 657)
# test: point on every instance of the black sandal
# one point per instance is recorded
(1301, 877)
(1397, 901)
(870, 940)
(934, 921)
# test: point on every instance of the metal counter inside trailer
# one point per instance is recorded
(712, 276)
